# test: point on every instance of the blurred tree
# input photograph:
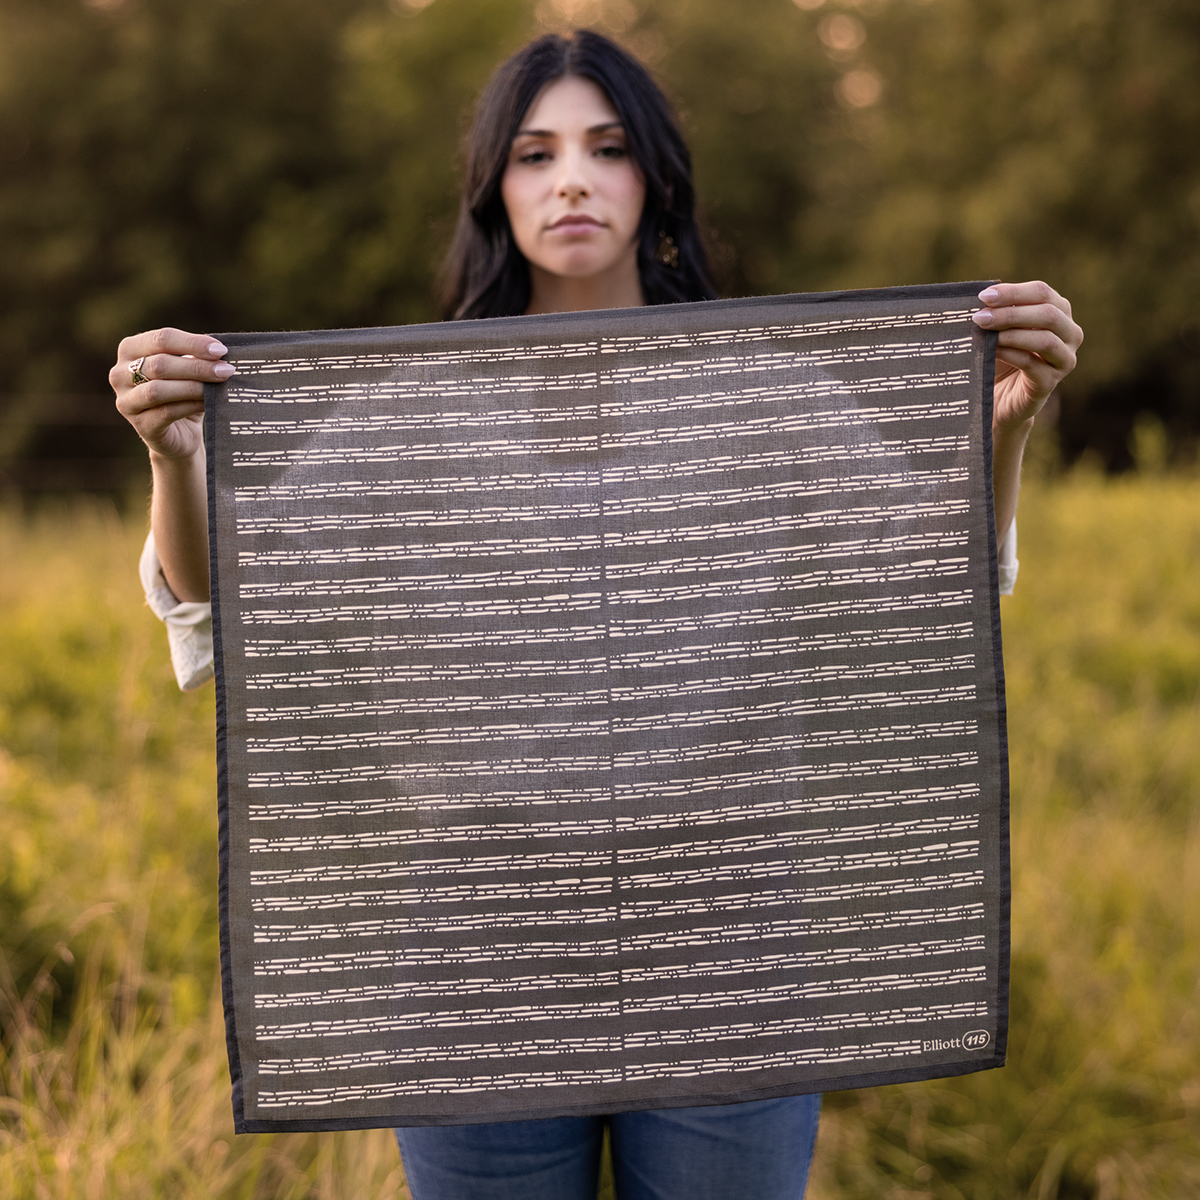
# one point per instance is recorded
(140, 140)
(756, 92)
(291, 163)
(1039, 139)
(363, 245)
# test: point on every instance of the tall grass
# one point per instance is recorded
(112, 1077)
(1101, 1095)
(113, 1081)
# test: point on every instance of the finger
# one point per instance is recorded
(170, 341)
(1028, 316)
(160, 367)
(1022, 362)
(1042, 343)
(173, 366)
(152, 422)
(157, 393)
(1033, 292)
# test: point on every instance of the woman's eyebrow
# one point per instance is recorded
(545, 133)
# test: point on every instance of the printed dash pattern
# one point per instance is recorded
(610, 722)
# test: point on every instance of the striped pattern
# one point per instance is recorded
(610, 721)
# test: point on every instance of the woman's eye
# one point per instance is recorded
(613, 151)
(534, 156)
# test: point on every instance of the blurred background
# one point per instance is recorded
(237, 164)
(253, 164)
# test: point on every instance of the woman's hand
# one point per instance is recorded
(1036, 347)
(1035, 352)
(168, 408)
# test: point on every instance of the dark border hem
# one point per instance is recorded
(214, 394)
(811, 1087)
(987, 343)
(933, 291)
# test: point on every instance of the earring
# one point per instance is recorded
(667, 252)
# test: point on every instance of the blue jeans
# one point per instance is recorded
(760, 1150)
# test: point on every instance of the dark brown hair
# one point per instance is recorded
(485, 275)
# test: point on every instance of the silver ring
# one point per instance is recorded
(135, 372)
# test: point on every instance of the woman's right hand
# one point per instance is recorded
(167, 410)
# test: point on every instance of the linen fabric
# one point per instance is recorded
(189, 624)
(610, 710)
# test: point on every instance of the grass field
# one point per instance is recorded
(113, 1082)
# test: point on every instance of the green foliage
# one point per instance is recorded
(112, 1074)
(362, 246)
(142, 139)
(113, 1080)
(106, 789)
(1101, 1095)
(1043, 140)
(291, 163)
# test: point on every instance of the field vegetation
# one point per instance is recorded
(292, 164)
(112, 1072)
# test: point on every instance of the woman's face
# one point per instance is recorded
(572, 192)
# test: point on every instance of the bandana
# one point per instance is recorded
(610, 709)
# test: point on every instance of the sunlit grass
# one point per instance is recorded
(113, 1074)
(113, 1081)
(1101, 1097)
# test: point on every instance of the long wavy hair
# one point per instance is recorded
(485, 275)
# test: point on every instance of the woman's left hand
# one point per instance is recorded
(1036, 347)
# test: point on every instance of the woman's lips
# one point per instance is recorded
(576, 221)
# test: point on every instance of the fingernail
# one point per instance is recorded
(989, 295)
(224, 370)
(216, 349)
(983, 317)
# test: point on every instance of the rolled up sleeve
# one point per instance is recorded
(189, 623)
(1006, 561)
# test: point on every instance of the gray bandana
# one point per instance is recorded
(611, 711)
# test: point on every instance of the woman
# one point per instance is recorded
(577, 196)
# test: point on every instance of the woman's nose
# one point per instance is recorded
(573, 189)
(573, 183)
